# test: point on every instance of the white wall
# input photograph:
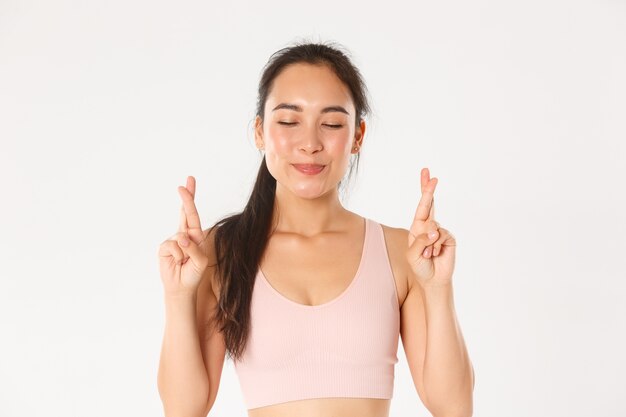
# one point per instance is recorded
(517, 107)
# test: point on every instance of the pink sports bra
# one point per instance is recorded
(343, 348)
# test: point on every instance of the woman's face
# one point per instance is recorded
(309, 119)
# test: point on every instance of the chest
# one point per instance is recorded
(325, 321)
(311, 273)
(317, 272)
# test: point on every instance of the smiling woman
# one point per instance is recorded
(306, 297)
(311, 110)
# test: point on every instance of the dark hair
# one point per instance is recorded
(241, 239)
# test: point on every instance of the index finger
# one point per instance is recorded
(182, 223)
(189, 218)
(426, 206)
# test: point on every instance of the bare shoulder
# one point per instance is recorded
(396, 239)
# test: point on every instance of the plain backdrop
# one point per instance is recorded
(517, 107)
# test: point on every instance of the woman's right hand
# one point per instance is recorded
(181, 264)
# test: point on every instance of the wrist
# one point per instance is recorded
(180, 303)
(439, 287)
(439, 293)
(180, 296)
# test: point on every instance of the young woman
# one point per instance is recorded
(306, 297)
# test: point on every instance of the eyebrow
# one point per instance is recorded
(295, 107)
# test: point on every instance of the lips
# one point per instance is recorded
(309, 168)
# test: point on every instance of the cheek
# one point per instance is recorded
(279, 139)
(338, 143)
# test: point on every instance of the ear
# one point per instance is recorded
(258, 133)
(358, 136)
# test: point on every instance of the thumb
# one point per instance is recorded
(193, 251)
(422, 241)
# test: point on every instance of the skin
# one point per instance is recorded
(308, 205)
(316, 237)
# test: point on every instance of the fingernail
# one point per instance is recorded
(432, 234)
(184, 242)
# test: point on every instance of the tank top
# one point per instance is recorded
(346, 347)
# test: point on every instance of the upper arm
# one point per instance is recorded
(413, 329)
(211, 339)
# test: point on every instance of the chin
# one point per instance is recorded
(311, 192)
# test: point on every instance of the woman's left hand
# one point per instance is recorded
(431, 259)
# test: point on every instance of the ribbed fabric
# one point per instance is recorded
(343, 348)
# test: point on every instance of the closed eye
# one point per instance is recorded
(295, 123)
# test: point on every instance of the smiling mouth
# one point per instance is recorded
(309, 169)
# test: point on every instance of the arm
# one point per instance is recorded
(448, 373)
(438, 359)
(193, 352)
(442, 372)
(183, 381)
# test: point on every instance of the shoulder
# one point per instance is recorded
(396, 240)
(394, 233)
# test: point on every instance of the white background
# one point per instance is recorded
(517, 107)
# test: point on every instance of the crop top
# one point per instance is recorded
(343, 348)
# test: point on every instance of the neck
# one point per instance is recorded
(307, 216)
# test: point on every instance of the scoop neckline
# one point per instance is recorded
(343, 293)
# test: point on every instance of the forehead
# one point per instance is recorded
(310, 86)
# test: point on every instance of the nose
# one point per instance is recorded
(310, 141)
